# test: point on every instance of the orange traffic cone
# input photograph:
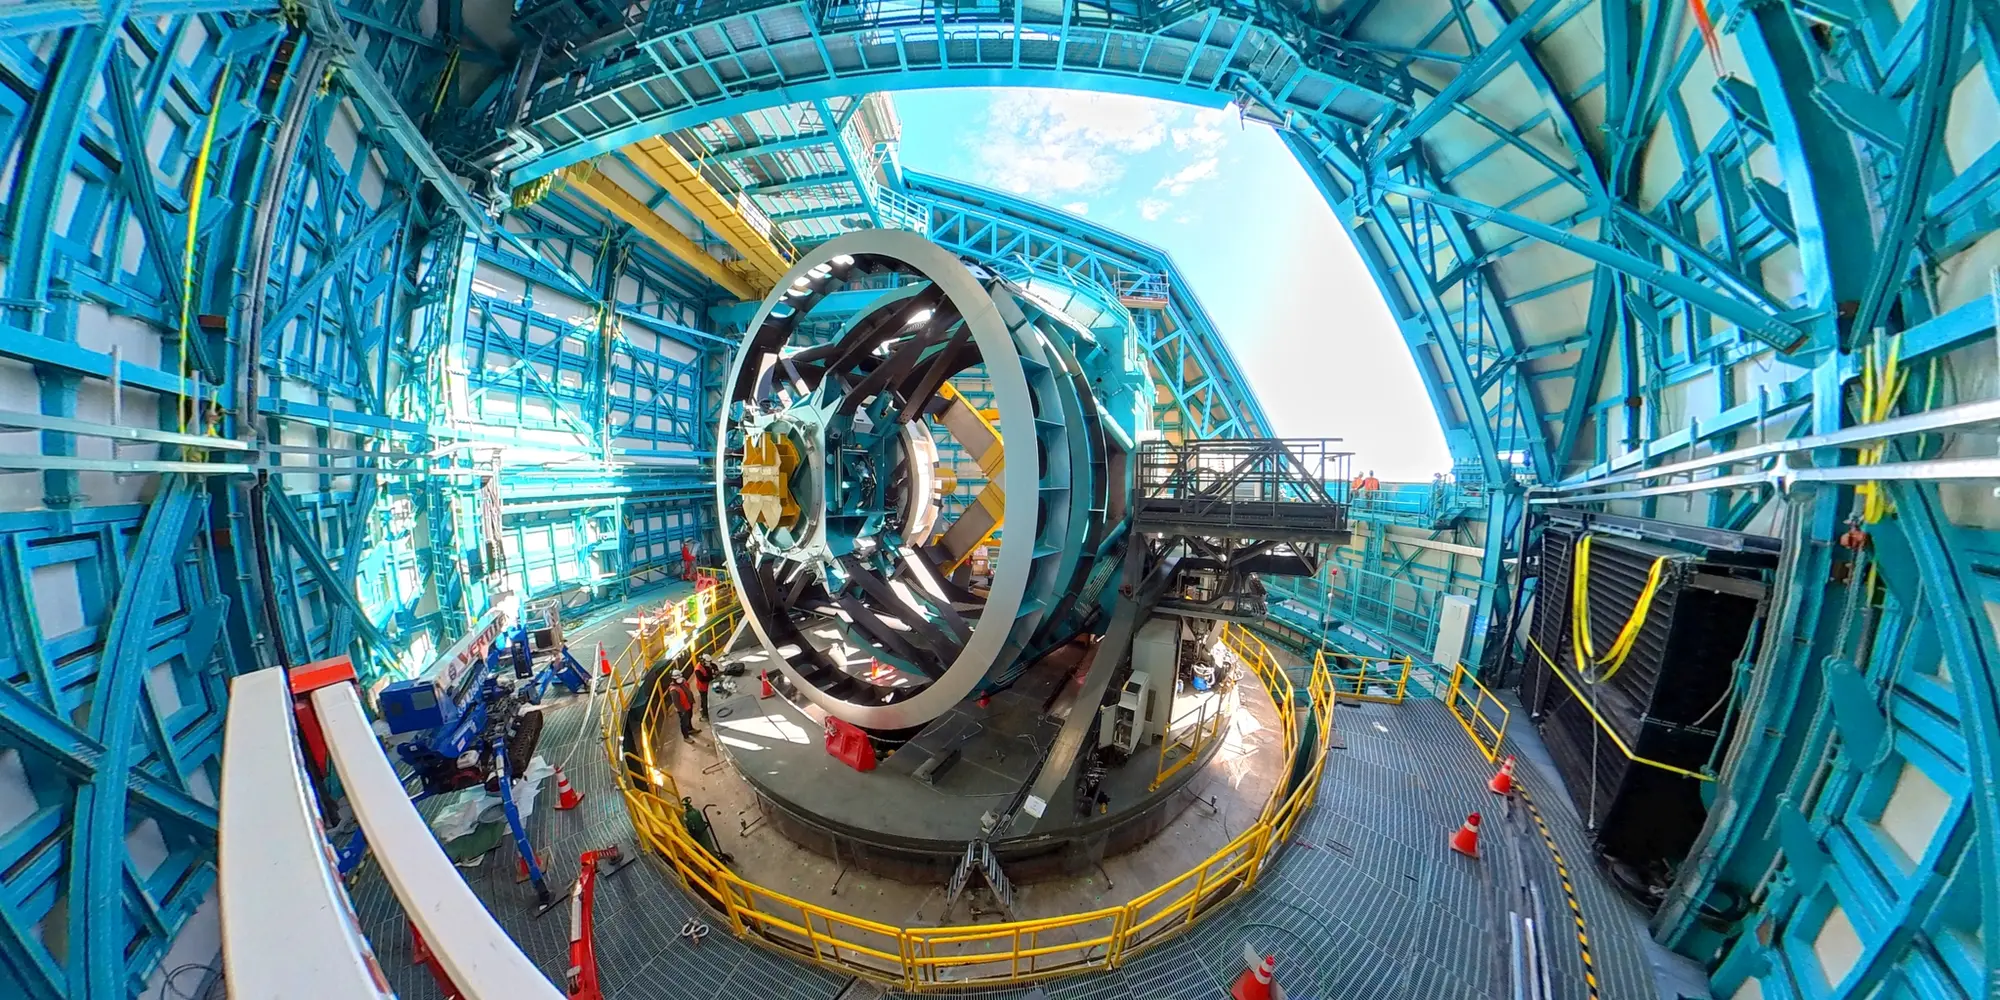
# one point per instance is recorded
(1466, 840)
(1255, 982)
(566, 796)
(1503, 782)
(603, 661)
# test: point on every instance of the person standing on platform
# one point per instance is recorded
(704, 669)
(687, 560)
(684, 705)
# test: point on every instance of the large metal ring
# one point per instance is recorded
(1022, 478)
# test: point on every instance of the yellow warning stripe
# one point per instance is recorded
(1569, 893)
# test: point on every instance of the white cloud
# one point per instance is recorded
(1183, 180)
(1152, 208)
(1077, 208)
(1204, 136)
(1050, 142)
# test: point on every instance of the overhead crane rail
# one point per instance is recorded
(627, 208)
(766, 252)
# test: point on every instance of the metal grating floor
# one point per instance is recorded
(1367, 901)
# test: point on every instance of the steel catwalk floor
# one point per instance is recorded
(1367, 902)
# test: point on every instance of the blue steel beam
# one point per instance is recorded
(993, 226)
(1282, 94)
(1470, 74)
(323, 20)
(773, 146)
(1756, 321)
(98, 924)
(39, 16)
(843, 179)
(1656, 275)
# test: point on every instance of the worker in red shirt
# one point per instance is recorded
(684, 706)
(704, 669)
(687, 560)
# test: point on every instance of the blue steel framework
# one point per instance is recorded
(322, 303)
(1200, 392)
(1607, 244)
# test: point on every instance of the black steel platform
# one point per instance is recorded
(1367, 902)
(1271, 489)
(890, 823)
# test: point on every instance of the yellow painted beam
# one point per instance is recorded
(769, 256)
(633, 212)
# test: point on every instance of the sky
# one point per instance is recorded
(1277, 274)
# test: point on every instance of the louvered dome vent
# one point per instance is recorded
(1650, 705)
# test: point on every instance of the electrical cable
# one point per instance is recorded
(170, 986)
(1742, 658)
(583, 728)
(1881, 387)
(1888, 696)
(1742, 663)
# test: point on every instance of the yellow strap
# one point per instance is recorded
(1587, 659)
(1563, 676)
(185, 409)
(444, 81)
(1881, 386)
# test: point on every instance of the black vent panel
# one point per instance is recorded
(1663, 701)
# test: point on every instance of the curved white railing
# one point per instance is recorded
(288, 929)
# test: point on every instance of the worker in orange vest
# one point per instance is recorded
(684, 706)
(703, 670)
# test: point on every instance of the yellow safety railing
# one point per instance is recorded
(1184, 743)
(1472, 704)
(1361, 677)
(919, 958)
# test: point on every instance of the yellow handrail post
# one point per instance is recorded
(1260, 844)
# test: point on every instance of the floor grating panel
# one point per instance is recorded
(1367, 902)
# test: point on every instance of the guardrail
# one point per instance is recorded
(675, 623)
(1396, 606)
(927, 958)
(1192, 738)
(1472, 708)
(1361, 677)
